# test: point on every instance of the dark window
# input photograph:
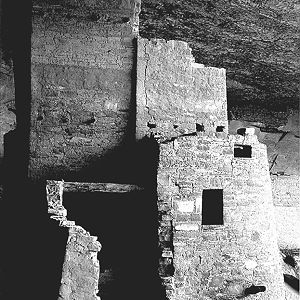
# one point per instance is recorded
(199, 127)
(151, 125)
(242, 150)
(212, 207)
(241, 131)
(220, 128)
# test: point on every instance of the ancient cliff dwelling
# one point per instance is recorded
(122, 179)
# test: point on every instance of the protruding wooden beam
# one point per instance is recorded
(100, 187)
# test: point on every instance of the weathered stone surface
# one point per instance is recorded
(212, 260)
(81, 89)
(174, 94)
(256, 41)
(80, 272)
(283, 156)
(288, 224)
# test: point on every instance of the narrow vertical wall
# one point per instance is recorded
(219, 261)
(174, 93)
(80, 272)
(82, 61)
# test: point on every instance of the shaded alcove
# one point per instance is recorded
(34, 244)
(126, 226)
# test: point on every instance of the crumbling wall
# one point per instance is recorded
(219, 261)
(82, 64)
(81, 277)
(174, 93)
(80, 273)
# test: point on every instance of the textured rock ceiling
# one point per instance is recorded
(257, 42)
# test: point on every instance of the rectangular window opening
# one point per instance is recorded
(242, 151)
(212, 207)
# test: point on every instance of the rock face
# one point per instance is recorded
(257, 42)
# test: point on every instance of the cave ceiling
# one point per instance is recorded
(256, 41)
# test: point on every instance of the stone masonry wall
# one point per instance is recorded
(81, 87)
(80, 272)
(286, 195)
(218, 261)
(174, 93)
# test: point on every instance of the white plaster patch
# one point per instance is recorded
(250, 131)
(185, 206)
(198, 203)
(250, 264)
(187, 227)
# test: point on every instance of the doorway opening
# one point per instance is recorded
(242, 151)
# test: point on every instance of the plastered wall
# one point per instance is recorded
(287, 210)
(81, 88)
(174, 93)
(219, 261)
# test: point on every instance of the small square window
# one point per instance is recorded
(220, 128)
(199, 127)
(242, 151)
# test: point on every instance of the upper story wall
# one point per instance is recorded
(83, 56)
(174, 93)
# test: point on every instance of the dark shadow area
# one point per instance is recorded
(199, 127)
(220, 128)
(292, 281)
(241, 131)
(290, 261)
(254, 289)
(242, 151)
(6, 8)
(126, 226)
(33, 245)
(125, 223)
(134, 163)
